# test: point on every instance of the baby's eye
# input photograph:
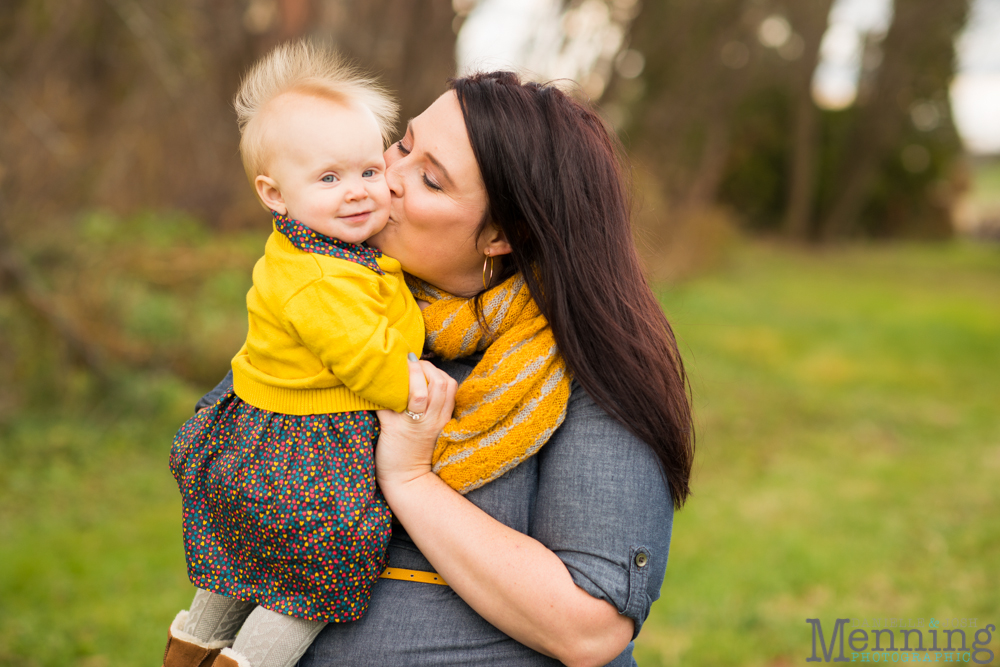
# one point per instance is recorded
(368, 173)
(329, 178)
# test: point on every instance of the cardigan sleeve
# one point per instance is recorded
(343, 321)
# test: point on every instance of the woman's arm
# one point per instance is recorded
(509, 578)
(209, 399)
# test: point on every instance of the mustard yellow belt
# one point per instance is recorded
(413, 575)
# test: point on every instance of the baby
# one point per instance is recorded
(284, 527)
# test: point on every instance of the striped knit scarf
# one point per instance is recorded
(515, 397)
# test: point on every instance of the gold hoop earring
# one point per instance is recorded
(487, 281)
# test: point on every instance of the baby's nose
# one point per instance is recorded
(357, 190)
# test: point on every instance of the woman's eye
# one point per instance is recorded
(428, 182)
(329, 178)
(431, 184)
(368, 173)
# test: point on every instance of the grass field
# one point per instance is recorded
(849, 450)
(848, 412)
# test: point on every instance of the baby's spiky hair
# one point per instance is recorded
(307, 68)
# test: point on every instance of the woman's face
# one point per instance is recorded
(438, 202)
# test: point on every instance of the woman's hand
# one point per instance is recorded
(512, 580)
(404, 448)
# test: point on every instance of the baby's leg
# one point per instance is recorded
(270, 639)
(197, 636)
(216, 618)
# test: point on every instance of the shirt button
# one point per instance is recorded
(641, 559)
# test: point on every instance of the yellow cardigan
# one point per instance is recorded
(326, 334)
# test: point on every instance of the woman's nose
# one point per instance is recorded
(393, 178)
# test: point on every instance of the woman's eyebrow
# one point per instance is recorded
(433, 160)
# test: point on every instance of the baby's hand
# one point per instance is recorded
(407, 441)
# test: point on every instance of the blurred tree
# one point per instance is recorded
(105, 104)
(131, 99)
(810, 19)
(409, 43)
(125, 106)
(771, 178)
(723, 113)
(903, 142)
(127, 100)
(677, 115)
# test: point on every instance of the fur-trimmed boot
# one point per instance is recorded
(184, 650)
(230, 658)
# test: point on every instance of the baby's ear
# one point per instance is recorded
(267, 190)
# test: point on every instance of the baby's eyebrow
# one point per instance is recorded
(433, 160)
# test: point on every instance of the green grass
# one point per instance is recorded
(91, 559)
(849, 452)
(986, 182)
(848, 407)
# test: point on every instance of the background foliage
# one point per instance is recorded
(845, 389)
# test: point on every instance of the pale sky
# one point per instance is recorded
(507, 33)
(975, 93)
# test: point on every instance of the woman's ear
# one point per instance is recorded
(267, 190)
(493, 242)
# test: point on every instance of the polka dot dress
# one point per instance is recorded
(282, 510)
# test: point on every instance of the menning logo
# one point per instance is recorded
(858, 641)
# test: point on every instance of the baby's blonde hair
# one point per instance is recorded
(307, 68)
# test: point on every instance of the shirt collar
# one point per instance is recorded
(308, 240)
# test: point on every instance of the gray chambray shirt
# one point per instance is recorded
(593, 494)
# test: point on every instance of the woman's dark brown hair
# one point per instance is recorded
(555, 182)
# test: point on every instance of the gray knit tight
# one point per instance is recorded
(215, 617)
(266, 638)
(270, 639)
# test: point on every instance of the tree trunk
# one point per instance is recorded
(811, 20)
(918, 61)
(679, 120)
(711, 167)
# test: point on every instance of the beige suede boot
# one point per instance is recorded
(184, 650)
(230, 658)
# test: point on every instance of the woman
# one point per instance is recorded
(560, 558)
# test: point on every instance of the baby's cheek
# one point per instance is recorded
(380, 193)
(380, 216)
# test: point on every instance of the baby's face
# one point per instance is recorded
(326, 168)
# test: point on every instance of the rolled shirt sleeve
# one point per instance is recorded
(604, 508)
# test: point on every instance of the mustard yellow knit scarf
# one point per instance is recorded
(515, 397)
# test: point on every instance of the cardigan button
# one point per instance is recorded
(641, 559)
